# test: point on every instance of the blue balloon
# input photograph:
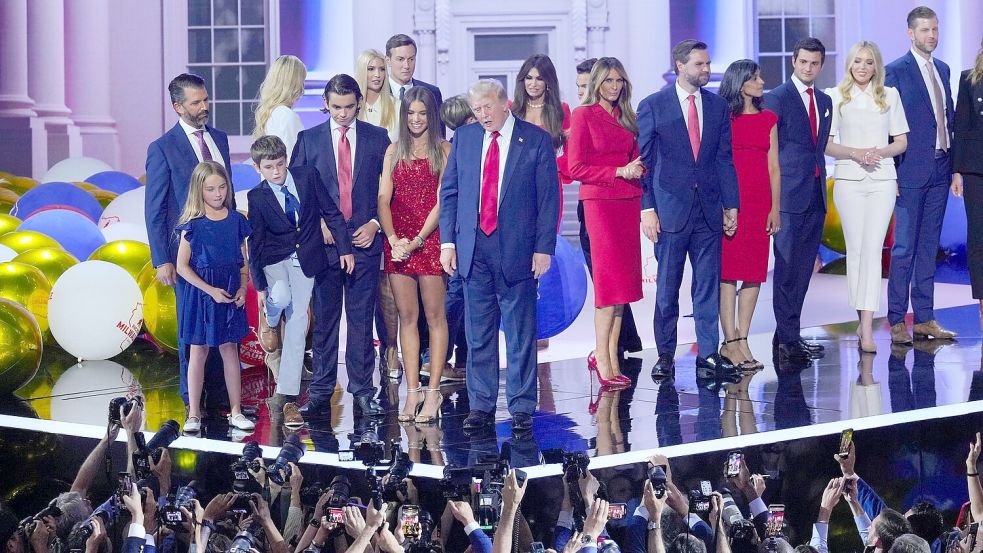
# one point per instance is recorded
(244, 177)
(57, 195)
(562, 291)
(953, 237)
(114, 181)
(76, 233)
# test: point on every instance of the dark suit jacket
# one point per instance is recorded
(170, 161)
(274, 238)
(529, 198)
(673, 180)
(314, 148)
(917, 164)
(798, 155)
(968, 142)
(436, 94)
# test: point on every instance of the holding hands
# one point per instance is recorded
(634, 170)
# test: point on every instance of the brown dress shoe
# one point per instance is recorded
(932, 329)
(899, 334)
(291, 416)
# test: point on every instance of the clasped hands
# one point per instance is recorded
(869, 157)
(403, 247)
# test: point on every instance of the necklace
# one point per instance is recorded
(535, 106)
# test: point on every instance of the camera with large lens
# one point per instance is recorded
(127, 404)
(699, 503)
(107, 513)
(657, 476)
(170, 515)
(419, 525)
(456, 483)
(742, 532)
(369, 449)
(574, 468)
(488, 503)
(242, 480)
(291, 452)
(395, 484)
(153, 449)
(249, 538)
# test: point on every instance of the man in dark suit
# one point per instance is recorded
(924, 176)
(289, 251)
(170, 161)
(804, 118)
(498, 209)
(401, 59)
(690, 197)
(347, 154)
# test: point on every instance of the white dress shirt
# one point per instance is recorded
(285, 124)
(190, 131)
(923, 69)
(861, 124)
(394, 87)
(684, 104)
(336, 138)
(806, 99)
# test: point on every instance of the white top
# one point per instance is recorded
(336, 137)
(285, 124)
(806, 99)
(861, 124)
(684, 105)
(373, 116)
(503, 154)
(925, 66)
(190, 131)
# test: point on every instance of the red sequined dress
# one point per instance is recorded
(414, 195)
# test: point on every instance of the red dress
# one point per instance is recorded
(744, 256)
(414, 195)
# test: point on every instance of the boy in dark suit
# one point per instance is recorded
(290, 250)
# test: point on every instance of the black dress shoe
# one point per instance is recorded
(716, 367)
(316, 408)
(478, 421)
(813, 347)
(369, 406)
(664, 368)
(793, 351)
(521, 424)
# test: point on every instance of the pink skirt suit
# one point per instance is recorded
(597, 146)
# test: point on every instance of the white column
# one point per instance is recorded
(650, 50)
(597, 26)
(22, 148)
(425, 29)
(88, 78)
(733, 34)
(46, 79)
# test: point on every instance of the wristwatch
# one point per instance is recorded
(654, 525)
(586, 539)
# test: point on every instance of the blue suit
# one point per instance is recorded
(689, 196)
(170, 162)
(803, 205)
(497, 268)
(360, 289)
(924, 174)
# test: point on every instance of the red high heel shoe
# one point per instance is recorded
(620, 381)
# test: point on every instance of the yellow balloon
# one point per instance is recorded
(87, 186)
(105, 197)
(7, 199)
(19, 184)
(128, 254)
(26, 285)
(25, 240)
(8, 223)
(20, 346)
(143, 179)
(159, 308)
(52, 261)
(832, 227)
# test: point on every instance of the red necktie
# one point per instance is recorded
(813, 120)
(206, 154)
(345, 173)
(694, 126)
(489, 188)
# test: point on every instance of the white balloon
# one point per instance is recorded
(6, 254)
(75, 169)
(242, 201)
(95, 310)
(125, 208)
(73, 399)
(125, 231)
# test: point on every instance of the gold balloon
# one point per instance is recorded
(128, 254)
(8, 223)
(159, 308)
(105, 197)
(53, 262)
(7, 199)
(87, 186)
(832, 227)
(143, 179)
(20, 346)
(19, 184)
(25, 240)
(26, 285)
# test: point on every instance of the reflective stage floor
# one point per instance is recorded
(844, 389)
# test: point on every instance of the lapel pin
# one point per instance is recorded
(520, 139)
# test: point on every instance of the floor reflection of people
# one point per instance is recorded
(791, 409)
(738, 414)
(610, 438)
(708, 414)
(917, 390)
(865, 392)
(427, 438)
(667, 427)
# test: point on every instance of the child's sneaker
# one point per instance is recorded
(241, 422)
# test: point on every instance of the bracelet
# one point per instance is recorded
(970, 474)
(419, 240)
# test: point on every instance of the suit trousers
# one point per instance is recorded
(865, 208)
(490, 302)
(296, 317)
(214, 383)
(973, 190)
(918, 216)
(796, 247)
(702, 245)
(358, 292)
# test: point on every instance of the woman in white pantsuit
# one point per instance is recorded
(868, 130)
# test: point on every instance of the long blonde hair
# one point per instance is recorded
(976, 73)
(877, 81)
(194, 207)
(283, 86)
(386, 103)
(593, 96)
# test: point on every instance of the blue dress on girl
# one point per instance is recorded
(216, 257)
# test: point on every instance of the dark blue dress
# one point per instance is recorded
(216, 257)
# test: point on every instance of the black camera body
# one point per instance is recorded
(657, 476)
(126, 404)
(699, 503)
(456, 483)
(242, 480)
(575, 465)
(153, 449)
(291, 452)
(170, 515)
(247, 539)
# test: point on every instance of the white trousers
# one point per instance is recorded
(296, 317)
(865, 209)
